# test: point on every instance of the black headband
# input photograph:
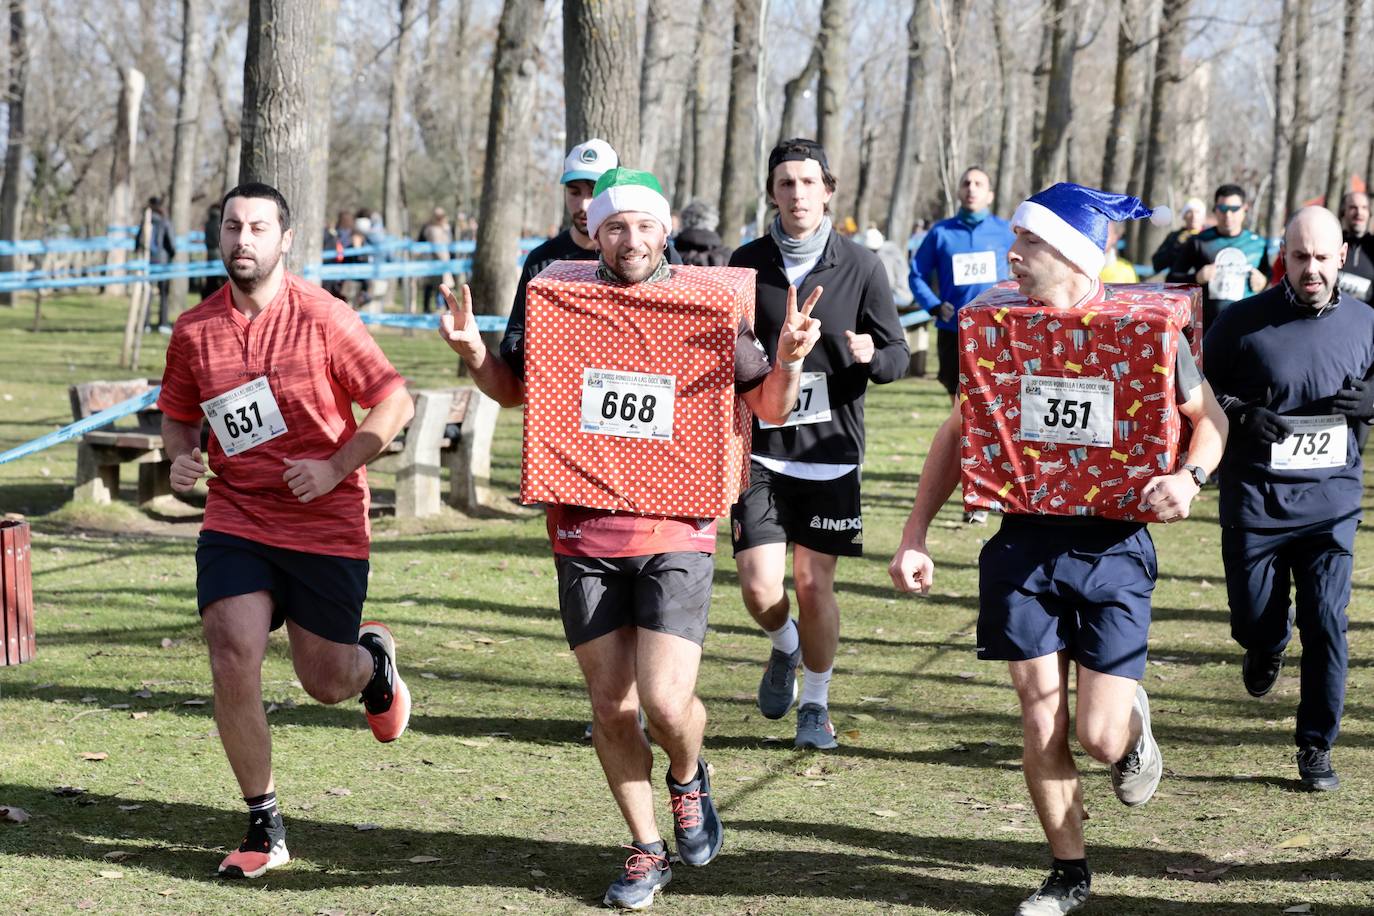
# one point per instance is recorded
(797, 150)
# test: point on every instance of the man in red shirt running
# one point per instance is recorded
(275, 364)
(634, 590)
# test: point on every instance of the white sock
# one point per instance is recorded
(815, 687)
(785, 637)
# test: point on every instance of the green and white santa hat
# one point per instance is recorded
(622, 190)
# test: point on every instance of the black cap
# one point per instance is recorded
(797, 149)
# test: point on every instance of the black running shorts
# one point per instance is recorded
(322, 594)
(664, 592)
(947, 352)
(821, 515)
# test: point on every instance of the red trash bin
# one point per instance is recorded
(16, 593)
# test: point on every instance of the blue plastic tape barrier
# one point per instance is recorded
(911, 319)
(487, 324)
(81, 427)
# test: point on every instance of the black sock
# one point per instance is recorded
(1075, 871)
(377, 685)
(263, 819)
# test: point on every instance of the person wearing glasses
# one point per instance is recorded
(1228, 261)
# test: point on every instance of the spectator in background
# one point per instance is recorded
(337, 238)
(1357, 274)
(918, 235)
(1194, 218)
(209, 285)
(1117, 269)
(894, 262)
(1228, 261)
(162, 247)
(439, 233)
(698, 242)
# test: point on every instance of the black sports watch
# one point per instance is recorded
(1198, 474)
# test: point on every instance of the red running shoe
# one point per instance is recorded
(386, 699)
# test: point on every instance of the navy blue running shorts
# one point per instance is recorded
(322, 594)
(1078, 585)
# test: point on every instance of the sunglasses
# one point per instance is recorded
(1229, 208)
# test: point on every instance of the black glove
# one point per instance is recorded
(1355, 400)
(1263, 425)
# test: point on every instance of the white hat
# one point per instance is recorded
(621, 190)
(588, 161)
(873, 239)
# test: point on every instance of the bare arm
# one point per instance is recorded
(458, 328)
(773, 400)
(311, 478)
(181, 443)
(1171, 496)
(912, 569)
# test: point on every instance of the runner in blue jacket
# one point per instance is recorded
(960, 257)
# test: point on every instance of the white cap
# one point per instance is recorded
(873, 239)
(588, 161)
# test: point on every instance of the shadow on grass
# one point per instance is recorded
(333, 855)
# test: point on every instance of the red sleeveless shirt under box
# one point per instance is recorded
(1072, 411)
(583, 338)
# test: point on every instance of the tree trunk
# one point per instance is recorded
(1168, 74)
(686, 160)
(663, 82)
(833, 83)
(123, 147)
(1116, 158)
(1006, 144)
(1054, 129)
(1336, 179)
(863, 192)
(906, 172)
(1302, 104)
(229, 120)
(184, 142)
(393, 166)
(793, 90)
(286, 78)
(514, 70)
(12, 187)
(601, 74)
(1274, 214)
(706, 177)
(952, 15)
(737, 173)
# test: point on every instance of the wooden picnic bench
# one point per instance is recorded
(452, 429)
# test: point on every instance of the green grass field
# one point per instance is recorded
(493, 802)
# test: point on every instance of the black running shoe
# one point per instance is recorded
(1260, 672)
(646, 873)
(1315, 770)
(1058, 894)
(696, 826)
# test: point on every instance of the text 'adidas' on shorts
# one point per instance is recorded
(322, 594)
(664, 592)
(821, 515)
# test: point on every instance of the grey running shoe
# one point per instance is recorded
(778, 688)
(1136, 776)
(814, 729)
(646, 873)
(696, 826)
(1057, 895)
(1315, 770)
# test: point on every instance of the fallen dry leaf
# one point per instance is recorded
(473, 742)
(119, 855)
(195, 701)
(68, 791)
(138, 715)
(170, 643)
(1296, 841)
(421, 860)
(87, 904)
(536, 873)
(112, 875)
(129, 807)
(361, 827)
(883, 812)
(94, 755)
(144, 694)
(339, 792)
(14, 815)
(1300, 908)
(852, 734)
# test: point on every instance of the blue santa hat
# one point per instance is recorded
(1074, 220)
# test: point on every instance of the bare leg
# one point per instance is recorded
(762, 570)
(236, 631)
(667, 679)
(331, 672)
(818, 613)
(1108, 726)
(1042, 686)
(608, 666)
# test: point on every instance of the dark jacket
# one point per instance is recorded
(701, 248)
(857, 298)
(162, 247)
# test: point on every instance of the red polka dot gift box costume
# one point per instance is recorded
(1072, 411)
(630, 391)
